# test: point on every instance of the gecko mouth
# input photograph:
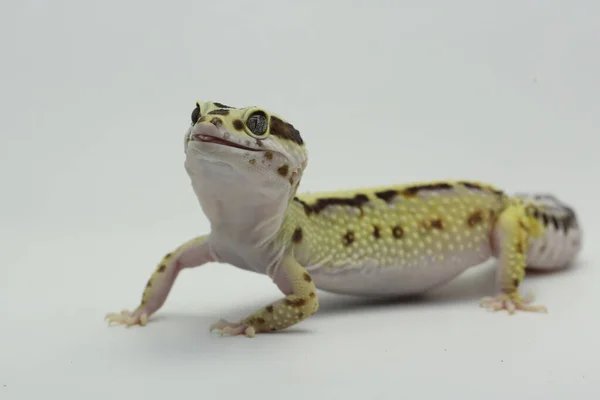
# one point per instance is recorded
(213, 139)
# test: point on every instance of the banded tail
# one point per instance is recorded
(561, 242)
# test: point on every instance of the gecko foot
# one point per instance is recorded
(233, 328)
(511, 303)
(128, 318)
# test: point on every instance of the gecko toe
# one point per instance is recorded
(127, 318)
(233, 328)
(511, 303)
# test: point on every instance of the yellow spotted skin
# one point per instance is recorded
(398, 230)
(295, 307)
(246, 165)
(386, 234)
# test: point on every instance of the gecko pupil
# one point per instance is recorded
(196, 114)
(257, 123)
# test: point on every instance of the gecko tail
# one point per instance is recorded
(562, 240)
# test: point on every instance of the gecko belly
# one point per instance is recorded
(368, 278)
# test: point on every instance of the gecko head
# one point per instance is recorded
(248, 147)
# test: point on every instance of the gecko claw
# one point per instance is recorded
(511, 303)
(233, 329)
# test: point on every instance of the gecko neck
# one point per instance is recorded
(243, 209)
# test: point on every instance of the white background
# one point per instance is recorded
(95, 99)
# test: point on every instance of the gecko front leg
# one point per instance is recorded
(193, 253)
(299, 303)
(510, 239)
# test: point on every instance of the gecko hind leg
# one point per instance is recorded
(193, 253)
(299, 303)
(510, 239)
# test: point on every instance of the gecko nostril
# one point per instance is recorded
(216, 122)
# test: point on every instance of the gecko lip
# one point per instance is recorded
(213, 139)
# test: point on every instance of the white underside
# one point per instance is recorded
(244, 202)
(398, 280)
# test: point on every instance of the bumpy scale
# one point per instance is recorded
(245, 165)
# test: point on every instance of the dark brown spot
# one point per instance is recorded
(432, 224)
(149, 284)
(297, 235)
(168, 255)
(437, 224)
(568, 222)
(306, 207)
(357, 201)
(475, 218)
(481, 188)
(162, 268)
(398, 232)
(221, 105)
(523, 226)
(219, 112)
(348, 238)
(376, 232)
(519, 247)
(545, 219)
(543, 248)
(307, 277)
(285, 130)
(300, 315)
(291, 181)
(413, 191)
(387, 195)
(471, 185)
(555, 222)
(283, 170)
(238, 124)
(312, 295)
(515, 283)
(252, 161)
(299, 302)
(269, 309)
(268, 155)
(216, 122)
(260, 320)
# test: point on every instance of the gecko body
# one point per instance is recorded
(245, 166)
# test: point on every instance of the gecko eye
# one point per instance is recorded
(196, 114)
(258, 123)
